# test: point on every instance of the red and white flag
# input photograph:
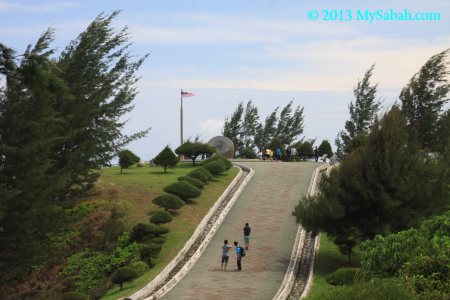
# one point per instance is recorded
(187, 94)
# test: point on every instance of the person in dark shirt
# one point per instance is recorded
(247, 231)
(238, 255)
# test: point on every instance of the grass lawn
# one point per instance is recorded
(133, 192)
(328, 260)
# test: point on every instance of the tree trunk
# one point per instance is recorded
(120, 169)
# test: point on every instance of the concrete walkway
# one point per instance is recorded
(266, 204)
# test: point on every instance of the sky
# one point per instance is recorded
(226, 52)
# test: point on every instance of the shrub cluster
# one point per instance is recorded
(183, 189)
(194, 181)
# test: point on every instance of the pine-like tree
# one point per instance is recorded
(232, 128)
(250, 126)
(423, 98)
(325, 148)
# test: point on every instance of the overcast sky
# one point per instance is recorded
(230, 51)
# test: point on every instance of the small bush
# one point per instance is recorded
(247, 153)
(143, 231)
(168, 201)
(124, 274)
(140, 267)
(74, 296)
(166, 159)
(223, 159)
(198, 175)
(160, 230)
(215, 167)
(158, 240)
(204, 171)
(149, 251)
(342, 276)
(161, 217)
(194, 181)
(99, 291)
(183, 189)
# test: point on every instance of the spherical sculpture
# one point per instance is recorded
(223, 145)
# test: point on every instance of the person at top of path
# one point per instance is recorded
(225, 255)
(278, 153)
(316, 154)
(247, 231)
(239, 255)
(271, 154)
(293, 152)
(267, 153)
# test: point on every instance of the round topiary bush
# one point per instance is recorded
(342, 276)
(124, 274)
(144, 231)
(183, 189)
(168, 201)
(222, 158)
(161, 217)
(204, 171)
(247, 153)
(215, 167)
(198, 175)
(149, 251)
(194, 181)
(74, 296)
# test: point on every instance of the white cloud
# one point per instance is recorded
(211, 127)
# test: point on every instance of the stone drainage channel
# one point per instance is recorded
(299, 275)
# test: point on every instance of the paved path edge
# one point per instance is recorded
(291, 272)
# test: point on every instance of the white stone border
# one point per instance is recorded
(165, 272)
(289, 278)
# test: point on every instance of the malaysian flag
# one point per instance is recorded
(186, 94)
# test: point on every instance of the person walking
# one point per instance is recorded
(247, 231)
(239, 254)
(278, 154)
(316, 154)
(225, 255)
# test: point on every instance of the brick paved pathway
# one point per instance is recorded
(266, 204)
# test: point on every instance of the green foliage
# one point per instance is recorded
(124, 274)
(127, 159)
(158, 240)
(198, 175)
(192, 150)
(60, 121)
(373, 290)
(140, 267)
(420, 258)
(232, 127)
(247, 153)
(305, 149)
(325, 148)
(74, 296)
(215, 167)
(342, 276)
(166, 158)
(168, 201)
(161, 217)
(216, 156)
(378, 188)
(424, 97)
(196, 182)
(144, 231)
(183, 189)
(149, 251)
(362, 112)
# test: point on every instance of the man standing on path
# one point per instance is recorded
(225, 255)
(316, 154)
(247, 231)
(278, 154)
(239, 252)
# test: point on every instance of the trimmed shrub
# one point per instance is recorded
(140, 266)
(204, 171)
(161, 217)
(198, 175)
(183, 189)
(124, 274)
(74, 296)
(342, 276)
(222, 158)
(194, 181)
(166, 159)
(160, 230)
(168, 201)
(215, 167)
(144, 231)
(158, 240)
(247, 153)
(149, 251)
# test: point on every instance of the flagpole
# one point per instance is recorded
(181, 117)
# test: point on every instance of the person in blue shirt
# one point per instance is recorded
(239, 251)
(278, 153)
